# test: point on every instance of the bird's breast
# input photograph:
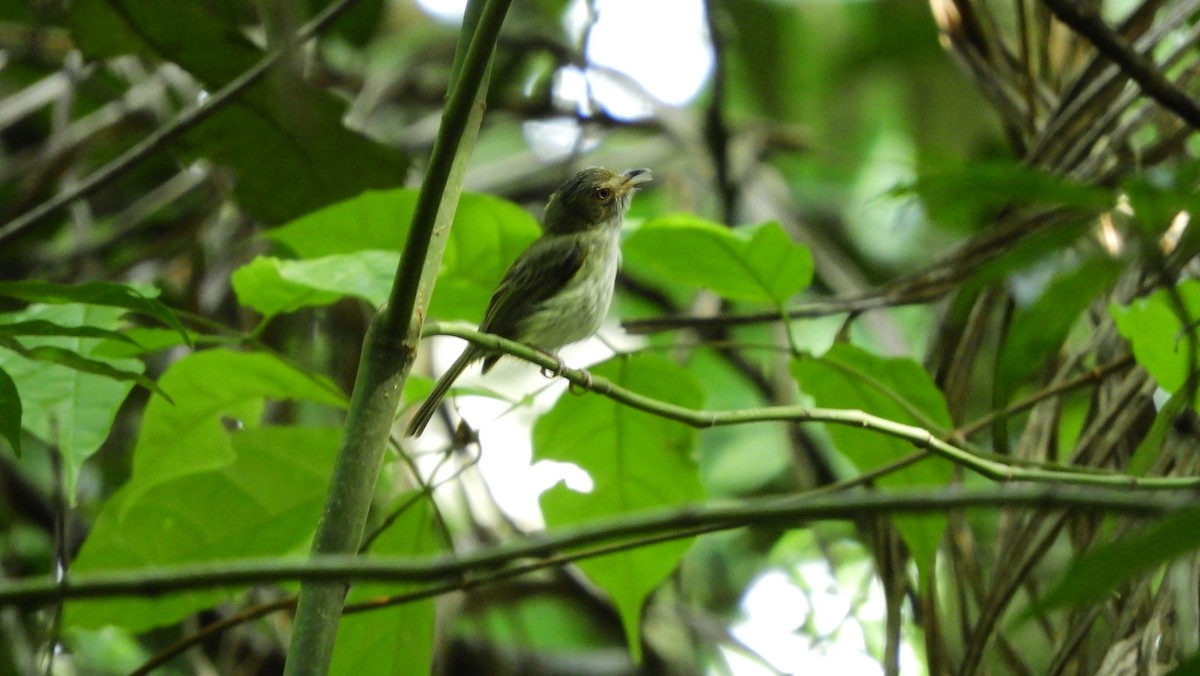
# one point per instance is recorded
(577, 311)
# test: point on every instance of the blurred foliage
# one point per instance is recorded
(952, 215)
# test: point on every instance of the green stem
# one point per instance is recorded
(990, 467)
(569, 545)
(391, 345)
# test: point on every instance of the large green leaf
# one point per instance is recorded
(636, 461)
(92, 293)
(284, 138)
(260, 285)
(1158, 336)
(1102, 570)
(758, 263)
(1041, 327)
(376, 219)
(963, 197)
(10, 412)
(52, 354)
(70, 393)
(214, 391)
(41, 327)
(396, 640)
(264, 501)
(896, 389)
(348, 249)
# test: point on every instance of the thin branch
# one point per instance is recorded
(1094, 375)
(459, 584)
(209, 631)
(1087, 22)
(936, 280)
(822, 308)
(995, 467)
(170, 131)
(678, 522)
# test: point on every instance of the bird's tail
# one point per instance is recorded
(417, 425)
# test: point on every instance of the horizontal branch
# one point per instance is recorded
(676, 522)
(820, 308)
(990, 467)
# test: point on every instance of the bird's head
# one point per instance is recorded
(593, 198)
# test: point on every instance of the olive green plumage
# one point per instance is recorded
(558, 290)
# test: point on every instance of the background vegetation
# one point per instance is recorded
(906, 331)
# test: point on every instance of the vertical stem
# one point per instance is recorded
(391, 342)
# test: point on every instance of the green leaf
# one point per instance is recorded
(636, 460)
(759, 263)
(1040, 328)
(69, 393)
(73, 360)
(146, 340)
(1102, 570)
(487, 235)
(214, 390)
(93, 293)
(260, 285)
(10, 412)
(278, 132)
(399, 639)
(1157, 335)
(264, 501)
(964, 197)
(41, 327)
(896, 389)
(376, 219)
(1152, 444)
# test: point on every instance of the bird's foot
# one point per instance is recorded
(579, 388)
(559, 367)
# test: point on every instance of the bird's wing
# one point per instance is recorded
(538, 274)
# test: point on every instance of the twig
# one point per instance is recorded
(997, 469)
(823, 308)
(1088, 23)
(458, 584)
(183, 122)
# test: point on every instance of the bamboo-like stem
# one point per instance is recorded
(391, 343)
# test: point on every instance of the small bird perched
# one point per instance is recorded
(558, 290)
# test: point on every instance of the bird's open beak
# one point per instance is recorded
(634, 177)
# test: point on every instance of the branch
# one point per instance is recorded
(823, 308)
(186, 120)
(1088, 23)
(1008, 232)
(995, 468)
(677, 522)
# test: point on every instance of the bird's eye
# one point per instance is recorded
(603, 193)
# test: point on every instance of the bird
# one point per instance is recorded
(559, 289)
